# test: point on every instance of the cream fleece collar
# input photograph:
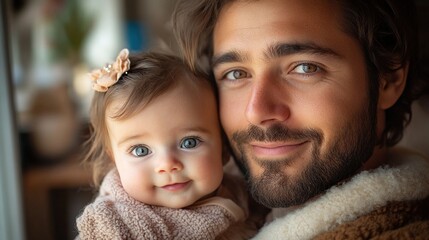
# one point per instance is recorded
(405, 178)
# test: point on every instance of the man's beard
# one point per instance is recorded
(273, 188)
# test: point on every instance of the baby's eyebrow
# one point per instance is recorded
(196, 129)
(129, 138)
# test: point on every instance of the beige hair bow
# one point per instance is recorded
(105, 77)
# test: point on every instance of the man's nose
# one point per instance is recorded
(268, 102)
(167, 164)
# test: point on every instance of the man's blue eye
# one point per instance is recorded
(190, 142)
(140, 151)
(306, 68)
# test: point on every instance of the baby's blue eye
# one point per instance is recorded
(190, 142)
(140, 151)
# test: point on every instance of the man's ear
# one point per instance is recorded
(391, 87)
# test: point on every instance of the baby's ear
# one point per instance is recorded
(110, 154)
(391, 87)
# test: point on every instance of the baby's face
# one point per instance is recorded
(169, 154)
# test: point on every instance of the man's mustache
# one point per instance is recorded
(276, 132)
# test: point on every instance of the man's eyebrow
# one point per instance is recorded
(284, 49)
(233, 56)
(274, 51)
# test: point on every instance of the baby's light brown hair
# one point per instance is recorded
(150, 75)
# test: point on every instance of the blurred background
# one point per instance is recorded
(50, 46)
(47, 48)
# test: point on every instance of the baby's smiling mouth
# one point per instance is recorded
(176, 186)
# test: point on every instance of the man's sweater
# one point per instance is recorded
(390, 202)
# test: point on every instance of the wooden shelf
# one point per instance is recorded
(38, 182)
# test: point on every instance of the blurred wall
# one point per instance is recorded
(54, 44)
(416, 135)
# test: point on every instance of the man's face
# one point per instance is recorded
(294, 97)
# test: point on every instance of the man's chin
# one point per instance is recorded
(279, 183)
(275, 192)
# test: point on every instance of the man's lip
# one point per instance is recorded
(176, 186)
(266, 149)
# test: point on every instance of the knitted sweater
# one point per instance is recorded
(115, 215)
(391, 202)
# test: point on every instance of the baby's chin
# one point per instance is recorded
(178, 204)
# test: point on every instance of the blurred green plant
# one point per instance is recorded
(69, 32)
